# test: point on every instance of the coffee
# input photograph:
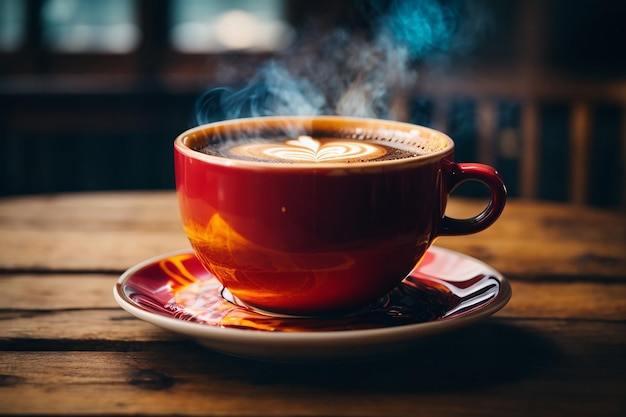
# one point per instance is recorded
(319, 147)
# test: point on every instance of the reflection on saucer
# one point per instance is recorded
(179, 287)
(447, 291)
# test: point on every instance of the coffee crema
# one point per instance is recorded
(306, 149)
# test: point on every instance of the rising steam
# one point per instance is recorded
(352, 74)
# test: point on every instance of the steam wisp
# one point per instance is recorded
(352, 74)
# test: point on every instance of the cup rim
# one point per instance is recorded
(380, 124)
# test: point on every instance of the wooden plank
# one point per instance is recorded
(547, 241)
(503, 368)
(487, 121)
(580, 127)
(530, 240)
(72, 315)
(570, 300)
(72, 231)
(69, 326)
(530, 149)
(76, 250)
(519, 85)
(36, 298)
(116, 211)
(623, 154)
(56, 291)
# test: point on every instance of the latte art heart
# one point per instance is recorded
(307, 149)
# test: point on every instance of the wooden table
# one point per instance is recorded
(558, 347)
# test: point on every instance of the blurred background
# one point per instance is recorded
(93, 92)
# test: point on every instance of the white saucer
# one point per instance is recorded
(447, 291)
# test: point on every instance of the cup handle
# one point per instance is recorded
(456, 173)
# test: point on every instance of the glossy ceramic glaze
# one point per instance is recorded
(313, 239)
(446, 291)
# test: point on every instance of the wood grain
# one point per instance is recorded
(39, 298)
(534, 240)
(66, 348)
(72, 232)
(56, 291)
(497, 367)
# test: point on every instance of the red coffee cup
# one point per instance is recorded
(293, 216)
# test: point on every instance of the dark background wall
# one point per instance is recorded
(96, 121)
